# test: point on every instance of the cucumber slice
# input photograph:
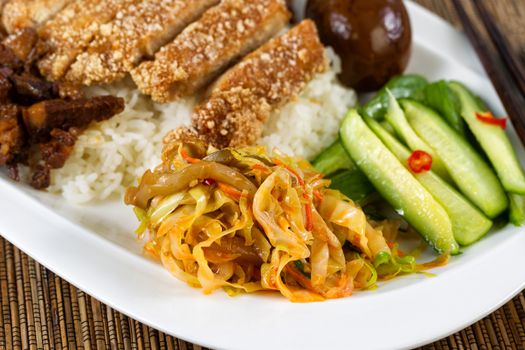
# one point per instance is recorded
(517, 209)
(403, 86)
(397, 185)
(396, 117)
(332, 159)
(468, 223)
(473, 176)
(494, 142)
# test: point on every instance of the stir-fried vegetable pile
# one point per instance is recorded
(243, 220)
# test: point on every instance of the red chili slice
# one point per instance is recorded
(209, 182)
(488, 118)
(420, 161)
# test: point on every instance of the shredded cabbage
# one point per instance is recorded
(247, 221)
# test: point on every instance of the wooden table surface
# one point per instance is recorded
(39, 310)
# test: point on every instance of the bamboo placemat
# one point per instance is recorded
(39, 310)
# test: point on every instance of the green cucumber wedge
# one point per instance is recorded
(469, 224)
(473, 176)
(494, 142)
(403, 86)
(517, 209)
(332, 159)
(397, 185)
(396, 117)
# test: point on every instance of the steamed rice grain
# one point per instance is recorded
(112, 155)
(311, 123)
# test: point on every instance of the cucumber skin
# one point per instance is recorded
(494, 142)
(478, 183)
(468, 223)
(517, 209)
(396, 117)
(333, 159)
(397, 185)
(402, 86)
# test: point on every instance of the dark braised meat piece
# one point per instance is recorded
(5, 88)
(8, 58)
(39, 119)
(30, 89)
(11, 135)
(57, 151)
(45, 116)
(40, 176)
(12, 172)
(23, 43)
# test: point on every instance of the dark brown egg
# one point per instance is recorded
(372, 37)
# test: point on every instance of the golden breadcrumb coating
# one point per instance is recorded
(204, 49)
(241, 101)
(19, 14)
(71, 31)
(138, 32)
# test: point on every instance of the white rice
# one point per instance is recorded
(311, 123)
(112, 155)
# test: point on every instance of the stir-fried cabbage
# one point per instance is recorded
(244, 221)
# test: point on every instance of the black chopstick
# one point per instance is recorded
(498, 72)
(503, 46)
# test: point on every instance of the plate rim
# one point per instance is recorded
(16, 203)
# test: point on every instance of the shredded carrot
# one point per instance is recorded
(187, 157)
(318, 195)
(230, 191)
(309, 217)
(260, 167)
(301, 279)
(308, 206)
(294, 173)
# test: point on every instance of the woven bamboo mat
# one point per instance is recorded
(39, 310)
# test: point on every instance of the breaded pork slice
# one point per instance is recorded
(205, 48)
(139, 33)
(19, 14)
(241, 101)
(71, 31)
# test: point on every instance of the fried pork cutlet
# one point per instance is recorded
(19, 14)
(205, 48)
(71, 31)
(241, 101)
(139, 32)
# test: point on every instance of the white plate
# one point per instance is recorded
(94, 249)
